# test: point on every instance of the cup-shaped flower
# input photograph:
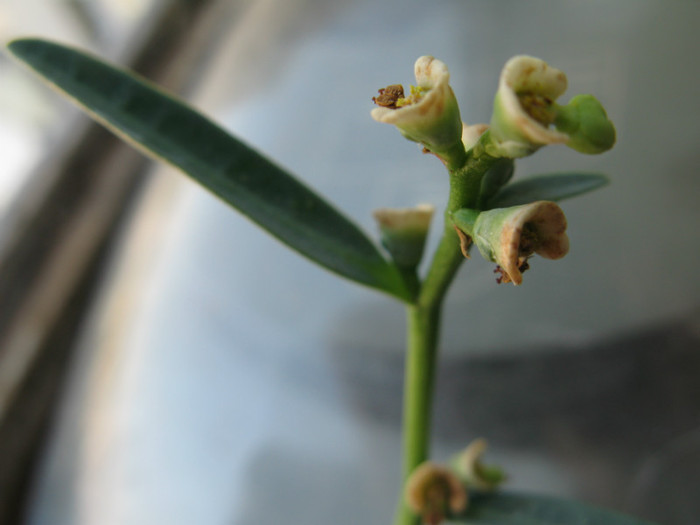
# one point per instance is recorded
(473, 473)
(586, 124)
(509, 236)
(522, 110)
(435, 493)
(430, 114)
(527, 117)
(403, 232)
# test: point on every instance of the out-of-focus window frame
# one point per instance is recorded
(57, 231)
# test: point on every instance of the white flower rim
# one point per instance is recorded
(432, 74)
(402, 219)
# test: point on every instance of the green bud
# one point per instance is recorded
(510, 236)
(584, 120)
(403, 232)
(429, 115)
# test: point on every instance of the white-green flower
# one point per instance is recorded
(403, 232)
(429, 114)
(510, 236)
(522, 111)
(473, 473)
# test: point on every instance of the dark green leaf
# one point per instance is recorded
(495, 178)
(553, 187)
(521, 509)
(169, 130)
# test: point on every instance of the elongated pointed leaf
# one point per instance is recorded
(553, 187)
(169, 130)
(521, 509)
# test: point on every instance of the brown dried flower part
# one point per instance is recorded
(464, 242)
(389, 96)
(435, 493)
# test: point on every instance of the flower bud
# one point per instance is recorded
(586, 124)
(473, 473)
(430, 114)
(435, 493)
(403, 232)
(509, 236)
(522, 110)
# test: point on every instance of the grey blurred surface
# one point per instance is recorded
(224, 380)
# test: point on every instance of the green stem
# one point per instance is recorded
(423, 323)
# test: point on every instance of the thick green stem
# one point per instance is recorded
(423, 320)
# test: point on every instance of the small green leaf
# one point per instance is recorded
(554, 187)
(521, 509)
(495, 178)
(167, 129)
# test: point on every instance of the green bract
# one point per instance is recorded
(586, 124)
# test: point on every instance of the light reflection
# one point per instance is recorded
(29, 114)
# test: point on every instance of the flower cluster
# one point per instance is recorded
(526, 116)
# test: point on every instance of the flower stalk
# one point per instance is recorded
(479, 160)
(423, 323)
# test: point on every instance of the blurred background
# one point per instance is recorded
(164, 361)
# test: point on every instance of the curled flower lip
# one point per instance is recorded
(536, 228)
